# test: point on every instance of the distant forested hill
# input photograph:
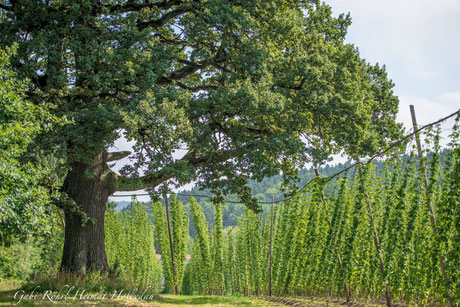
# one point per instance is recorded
(121, 205)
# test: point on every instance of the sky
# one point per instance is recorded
(419, 43)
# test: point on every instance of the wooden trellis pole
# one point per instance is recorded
(388, 295)
(271, 249)
(429, 203)
(176, 288)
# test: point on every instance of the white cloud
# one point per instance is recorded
(428, 110)
(419, 40)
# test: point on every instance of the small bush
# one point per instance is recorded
(18, 260)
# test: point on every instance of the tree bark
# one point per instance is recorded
(84, 244)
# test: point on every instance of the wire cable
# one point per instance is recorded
(326, 179)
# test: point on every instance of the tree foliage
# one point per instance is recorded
(241, 85)
(249, 89)
(26, 182)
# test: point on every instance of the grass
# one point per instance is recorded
(335, 302)
(7, 285)
(100, 292)
(184, 300)
(8, 291)
(160, 300)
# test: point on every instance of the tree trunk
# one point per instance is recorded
(84, 245)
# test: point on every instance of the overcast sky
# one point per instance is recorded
(417, 40)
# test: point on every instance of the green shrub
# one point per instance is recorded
(18, 260)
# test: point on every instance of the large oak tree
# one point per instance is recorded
(248, 88)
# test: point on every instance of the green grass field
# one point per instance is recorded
(10, 295)
(7, 299)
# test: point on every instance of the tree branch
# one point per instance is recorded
(130, 6)
(197, 88)
(139, 183)
(192, 67)
(163, 19)
(155, 179)
(114, 156)
(171, 41)
(291, 87)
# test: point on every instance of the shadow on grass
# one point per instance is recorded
(7, 296)
(7, 299)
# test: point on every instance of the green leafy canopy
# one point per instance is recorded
(249, 88)
(25, 181)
